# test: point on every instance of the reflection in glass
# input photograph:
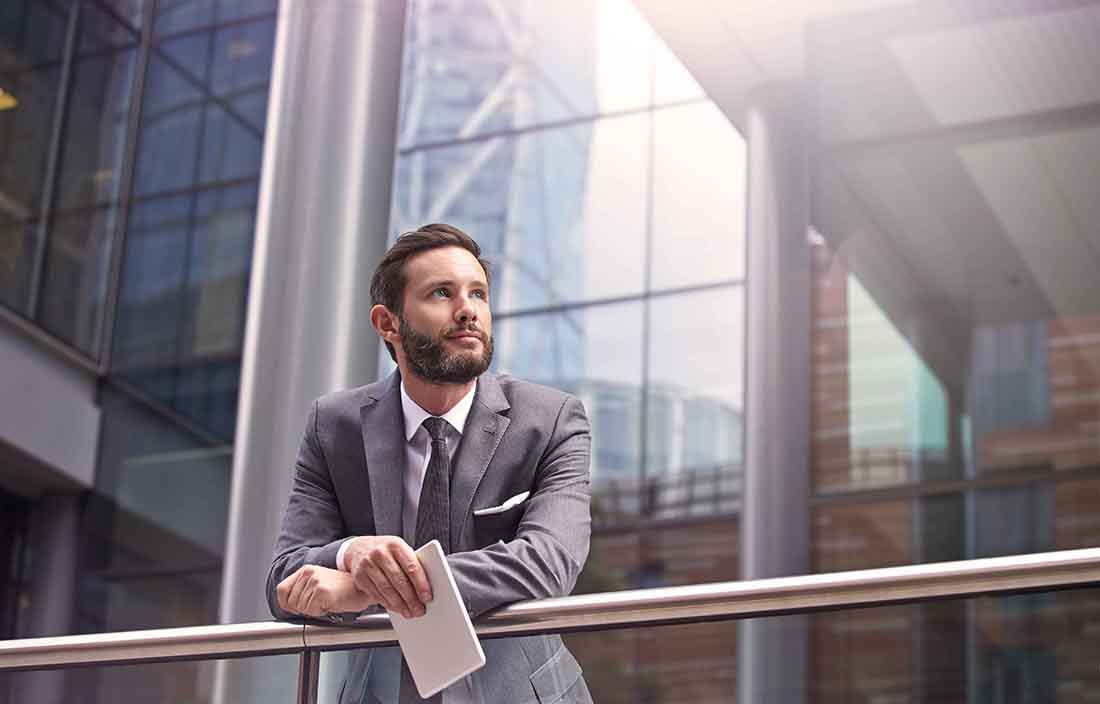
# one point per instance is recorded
(957, 307)
(559, 213)
(74, 285)
(693, 663)
(204, 107)
(478, 67)
(192, 14)
(169, 147)
(592, 352)
(155, 529)
(699, 163)
(147, 683)
(1029, 648)
(114, 24)
(99, 102)
(988, 649)
(696, 392)
(180, 322)
(570, 217)
(17, 247)
(32, 33)
(24, 139)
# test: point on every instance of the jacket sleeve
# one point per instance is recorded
(312, 528)
(551, 543)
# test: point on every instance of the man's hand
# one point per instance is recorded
(387, 570)
(316, 591)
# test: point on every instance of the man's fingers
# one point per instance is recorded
(312, 605)
(368, 588)
(390, 598)
(282, 592)
(395, 572)
(410, 563)
(295, 600)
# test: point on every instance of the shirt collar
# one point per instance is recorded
(415, 415)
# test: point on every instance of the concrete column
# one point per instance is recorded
(321, 228)
(775, 517)
(54, 537)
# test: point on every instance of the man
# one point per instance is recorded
(389, 466)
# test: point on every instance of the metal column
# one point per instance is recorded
(775, 521)
(321, 227)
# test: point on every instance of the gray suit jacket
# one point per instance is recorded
(518, 437)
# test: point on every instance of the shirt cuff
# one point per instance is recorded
(340, 554)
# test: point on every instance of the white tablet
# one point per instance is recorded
(440, 646)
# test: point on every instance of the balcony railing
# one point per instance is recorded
(623, 609)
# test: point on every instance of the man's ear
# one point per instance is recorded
(385, 323)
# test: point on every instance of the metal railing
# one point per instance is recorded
(624, 609)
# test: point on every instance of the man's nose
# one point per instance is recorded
(465, 310)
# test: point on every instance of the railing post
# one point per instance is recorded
(309, 662)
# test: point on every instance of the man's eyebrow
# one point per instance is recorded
(432, 284)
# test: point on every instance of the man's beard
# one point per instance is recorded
(431, 362)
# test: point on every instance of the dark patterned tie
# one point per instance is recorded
(433, 517)
(433, 522)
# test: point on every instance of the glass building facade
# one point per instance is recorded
(950, 153)
(131, 134)
(608, 192)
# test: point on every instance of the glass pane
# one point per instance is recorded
(559, 213)
(153, 683)
(18, 240)
(14, 569)
(226, 61)
(98, 111)
(74, 285)
(956, 338)
(25, 126)
(477, 67)
(155, 528)
(180, 323)
(169, 150)
(1021, 648)
(111, 27)
(699, 193)
(126, 12)
(32, 33)
(230, 150)
(696, 394)
(205, 106)
(1031, 648)
(242, 58)
(151, 294)
(182, 15)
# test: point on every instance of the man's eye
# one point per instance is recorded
(441, 292)
(480, 294)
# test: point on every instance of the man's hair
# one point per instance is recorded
(387, 287)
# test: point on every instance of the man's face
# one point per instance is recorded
(446, 326)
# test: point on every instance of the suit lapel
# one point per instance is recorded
(484, 429)
(383, 442)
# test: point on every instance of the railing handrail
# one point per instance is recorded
(623, 609)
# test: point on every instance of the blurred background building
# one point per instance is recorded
(826, 277)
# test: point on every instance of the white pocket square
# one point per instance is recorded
(510, 503)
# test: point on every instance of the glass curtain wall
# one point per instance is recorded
(956, 337)
(156, 527)
(608, 193)
(131, 134)
(67, 73)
